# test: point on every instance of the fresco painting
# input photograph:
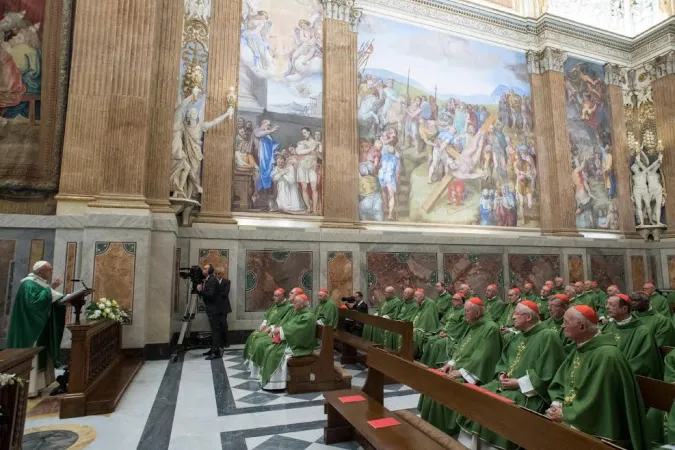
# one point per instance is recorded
(445, 129)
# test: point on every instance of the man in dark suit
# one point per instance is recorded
(224, 307)
(358, 305)
(209, 291)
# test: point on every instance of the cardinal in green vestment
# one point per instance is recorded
(494, 306)
(583, 297)
(406, 313)
(600, 295)
(542, 300)
(528, 363)
(658, 301)
(505, 322)
(438, 348)
(594, 389)
(38, 319)
(661, 425)
(557, 305)
(528, 292)
(661, 327)
(634, 340)
(296, 337)
(443, 299)
(559, 286)
(273, 316)
(473, 361)
(425, 323)
(388, 308)
(326, 311)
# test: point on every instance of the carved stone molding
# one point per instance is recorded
(664, 65)
(615, 75)
(343, 10)
(548, 60)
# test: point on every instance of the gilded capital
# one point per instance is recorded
(343, 10)
(549, 59)
(616, 75)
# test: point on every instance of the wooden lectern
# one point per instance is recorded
(14, 398)
(77, 300)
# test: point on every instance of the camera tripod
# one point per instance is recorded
(188, 317)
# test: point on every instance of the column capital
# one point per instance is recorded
(343, 10)
(547, 60)
(663, 65)
(616, 75)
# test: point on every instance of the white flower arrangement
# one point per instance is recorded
(105, 309)
(9, 379)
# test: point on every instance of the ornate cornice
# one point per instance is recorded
(548, 60)
(664, 65)
(343, 10)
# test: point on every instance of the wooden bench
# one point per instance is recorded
(349, 421)
(656, 393)
(351, 344)
(317, 372)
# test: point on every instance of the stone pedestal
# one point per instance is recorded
(557, 208)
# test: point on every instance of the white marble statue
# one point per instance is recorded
(655, 189)
(186, 148)
(198, 9)
(640, 194)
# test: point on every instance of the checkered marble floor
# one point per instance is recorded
(299, 440)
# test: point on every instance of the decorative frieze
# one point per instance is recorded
(615, 75)
(343, 10)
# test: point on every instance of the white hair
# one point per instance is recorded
(481, 309)
(592, 327)
(527, 310)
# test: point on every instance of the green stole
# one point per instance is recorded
(599, 394)
(443, 303)
(638, 346)
(299, 336)
(327, 312)
(506, 320)
(661, 327)
(273, 316)
(406, 313)
(536, 353)
(426, 324)
(389, 307)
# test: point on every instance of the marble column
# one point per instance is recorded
(223, 70)
(557, 205)
(340, 172)
(166, 66)
(615, 78)
(663, 88)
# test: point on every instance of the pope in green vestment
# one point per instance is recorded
(634, 340)
(38, 319)
(473, 360)
(388, 308)
(597, 393)
(443, 300)
(661, 425)
(326, 311)
(425, 323)
(273, 316)
(438, 348)
(528, 363)
(406, 313)
(297, 337)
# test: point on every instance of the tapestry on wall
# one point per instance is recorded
(590, 138)
(445, 129)
(278, 154)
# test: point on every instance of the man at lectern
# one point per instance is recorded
(38, 319)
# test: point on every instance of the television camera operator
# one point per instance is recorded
(355, 303)
(215, 294)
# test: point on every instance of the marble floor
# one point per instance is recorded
(198, 404)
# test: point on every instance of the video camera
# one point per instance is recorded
(194, 274)
(351, 299)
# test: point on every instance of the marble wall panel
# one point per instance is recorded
(400, 270)
(115, 272)
(68, 284)
(575, 268)
(215, 257)
(7, 249)
(478, 270)
(268, 270)
(671, 271)
(37, 251)
(608, 270)
(175, 291)
(637, 267)
(536, 269)
(654, 272)
(340, 274)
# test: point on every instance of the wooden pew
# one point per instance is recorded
(14, 398)
(347, 421)
(317, 372)
(351, 343)
(656, 393)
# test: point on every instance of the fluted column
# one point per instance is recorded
(166, 66)
(664, 112)
(223, 64)
(339, 113)
(615, 78)
(554, 168)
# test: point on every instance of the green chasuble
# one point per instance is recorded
(273, 316)
(599, 394)
(443, 303)
(671, 299)
(506, 320)
(437, 350)
(327, 312)
(638, 346)
(587, 298)
(299, 340)
(542, 303)
(406, 313)
(659, 303)
(556, 326)
(478, 352)
(425, 324)
(661, 327)
(661, 425)
(532, 357)
(559, 290)
(389, 307)
(494, 308)
(37, 319)
(531, 296)
(600, 297)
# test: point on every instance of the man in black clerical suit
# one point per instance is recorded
(358, 305)
(224, 307)
(210, 292)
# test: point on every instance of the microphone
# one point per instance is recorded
(80, 281)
